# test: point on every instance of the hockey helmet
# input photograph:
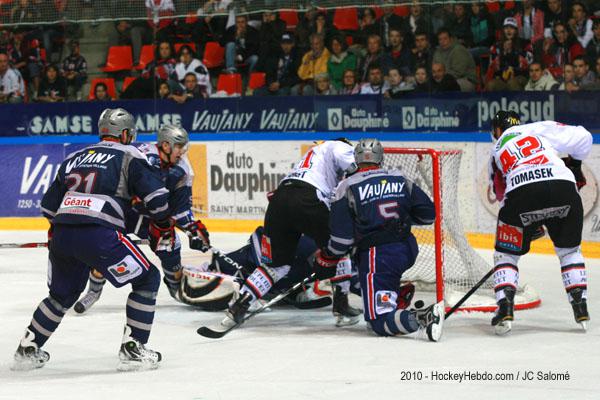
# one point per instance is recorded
(504, 120)
(368, 151)
(174, 135)
(113, 123)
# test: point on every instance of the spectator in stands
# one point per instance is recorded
(397, 85)
(580, 24)
(187, 63)
(26, 59)
(421, 80)
(191, 90)
(530, 22)
(305, 28)
(281, 69)
(398, 54)
(388, 21)
(422, 54)
(241, 43)
(508, 67)
(12, 87)
(162, 68)
(209, 26)
(26, 15)
(53, 87)
(442, 16)
(101, 92)
(269, 34)
(482, 31)
(349, 86)
(563, 49)
(323, 27)
(339, 61)
(160, 19)
(461, 26)
(457, 60)
(592, 51)
(74, 70)
(313, 63)
(323, 85)
(568, 78)
(164, 91)
(554, 14)
(374, 56)
(368, 26)
(418, 20)
(442, 81)
(540, 79)
(584, 78)
(376, 83)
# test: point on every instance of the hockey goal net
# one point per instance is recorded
(447, 264)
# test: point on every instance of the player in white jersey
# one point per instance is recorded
(300, 205)
(538, 188)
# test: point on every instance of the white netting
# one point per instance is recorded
(462, 266)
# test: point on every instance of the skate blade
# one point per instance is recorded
(129, 366)
(584, 325)
(341, 320)
(435, 331)
(502, 328)
(25, 365)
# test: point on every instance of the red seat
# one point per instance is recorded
(178, 46)
(346, 19)
(146, 56)
(119, 59)
(257, 79)
(110, 87)
(214, 55)
(191, 18)
(290, 17)
(126, 82)
(230, 83)
(402, 11)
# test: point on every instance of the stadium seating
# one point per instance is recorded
(290, 17)
(214, 55)
(146, 56)
(126, 82)
(230, 83)
(110, 87)
(346, 19)
(257, 79)
(119, 59)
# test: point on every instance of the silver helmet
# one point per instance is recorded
(112, 122)
(369, 151)
(174, 135)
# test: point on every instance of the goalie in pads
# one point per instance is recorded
(541, 189)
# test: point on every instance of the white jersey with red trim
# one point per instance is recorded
(324, 165)
(530, 153)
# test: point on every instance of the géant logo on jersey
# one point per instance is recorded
(529, 110)
(91, 157)
(380, 189)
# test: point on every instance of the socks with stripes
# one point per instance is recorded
(140, 314)
(46, 319)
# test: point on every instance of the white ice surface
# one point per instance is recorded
(294, 354)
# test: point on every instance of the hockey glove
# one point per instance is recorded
(575, 167)
(325, 264)
(161, 234)
(198, 236)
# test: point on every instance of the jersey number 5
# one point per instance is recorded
(525, 147)
(389, 210)
(74, 181)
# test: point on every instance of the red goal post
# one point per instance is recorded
(447, 265)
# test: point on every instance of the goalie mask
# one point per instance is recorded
(209, 291)
(368, 151)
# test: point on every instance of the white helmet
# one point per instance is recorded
(113, 122)
(174, 135)
(369, 151)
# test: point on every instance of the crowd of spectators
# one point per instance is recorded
(432, 48)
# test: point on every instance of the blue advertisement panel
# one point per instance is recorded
(450, 112)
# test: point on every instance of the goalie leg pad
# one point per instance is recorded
(207, 290)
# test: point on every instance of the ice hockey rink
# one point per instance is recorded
(298, 354)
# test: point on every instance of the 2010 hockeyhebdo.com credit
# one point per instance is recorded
(524, 375)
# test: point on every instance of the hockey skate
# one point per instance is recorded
(311, 296)
(237, 311)
(343, 312)
(431, 320)
(87, 301)
(502, 321)
(579, 305)
(28, 356)
(135, 356)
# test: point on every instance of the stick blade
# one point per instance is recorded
(211, 333)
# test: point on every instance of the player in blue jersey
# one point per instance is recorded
(373, 210)
(167, 157)
(86, 206)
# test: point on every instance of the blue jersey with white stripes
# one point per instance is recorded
(95, 185)
(376, 206)
(177, 179)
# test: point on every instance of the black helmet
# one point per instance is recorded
(505, 119)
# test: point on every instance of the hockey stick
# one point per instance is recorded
(470, 292)
(45, 244)
(221, 329)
